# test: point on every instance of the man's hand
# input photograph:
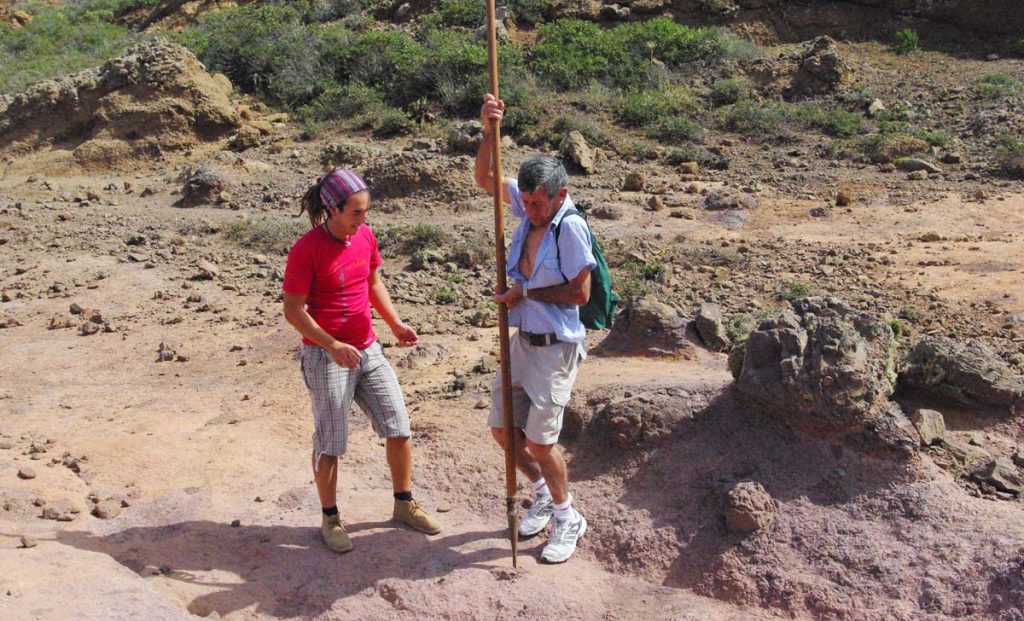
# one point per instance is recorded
(511, 297)
(345, 355)
(406, 336)
(492, 110)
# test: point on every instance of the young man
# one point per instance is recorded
(550, 280)
(330, 283)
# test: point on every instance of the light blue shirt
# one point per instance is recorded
(576, 254)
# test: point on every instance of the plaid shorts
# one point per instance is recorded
(332, 388)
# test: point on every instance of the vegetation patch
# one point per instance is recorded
(1009, 155)
(996, 86)
(905, 41)
(60, 41)
(265, 235)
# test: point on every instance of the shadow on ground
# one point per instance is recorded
(284, 570)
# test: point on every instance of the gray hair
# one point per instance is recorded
(542, 171)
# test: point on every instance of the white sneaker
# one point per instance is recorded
(564, 535)
(537, 517)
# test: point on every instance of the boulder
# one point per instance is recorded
(1001, 473)
(634, 182)
(913, 164)
(465, 137)
(204, 187)
(721, 200)
(638, 422)
(930, 426)
(647, 327)
(709, 326)
(821, 71)
(827, 370)
(575, 149)
(968, 373)
(749, 507)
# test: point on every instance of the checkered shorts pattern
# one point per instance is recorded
(332, 388)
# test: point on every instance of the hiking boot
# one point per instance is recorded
(564, 535)
(537, 517)
(411, 513)
(334, 534)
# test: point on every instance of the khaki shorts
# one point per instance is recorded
(542, 379)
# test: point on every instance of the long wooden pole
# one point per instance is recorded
(499, 256)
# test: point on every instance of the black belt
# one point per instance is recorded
(539, 340)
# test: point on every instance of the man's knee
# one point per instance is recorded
(539, 451)
(499, 435)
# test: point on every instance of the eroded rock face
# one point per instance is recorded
(825, 369)
(641, 421)
(968, 373)
(821, 71)
(157, 97)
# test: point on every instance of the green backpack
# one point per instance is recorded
(599, 312)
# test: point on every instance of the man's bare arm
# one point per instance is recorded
(576, 291)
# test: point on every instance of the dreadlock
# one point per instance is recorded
(313, 205)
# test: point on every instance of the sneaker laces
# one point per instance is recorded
(560, 531)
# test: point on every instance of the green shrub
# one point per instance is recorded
(338, 102)
(752, 118)
(267, 50)
(529, 12)
(408, 239)
(725, 92)
(467, 13)
(570, 53)
(586, 126)
(676, 129)
(60, 41)
(444, 295)
(690, 154)
(393, 122)
(1020, 46)
(934, 137)
(794, 291)
(266, 235)
(833, 122)
(906, 41)
(643, 108)
(996, 86)
(1009, 155)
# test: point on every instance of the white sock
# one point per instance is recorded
(540, 488)
(564, 510)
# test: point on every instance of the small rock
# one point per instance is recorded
(749, 507)
(26, 473)
(28, 542)
(876, 106)
(236, 523)
(107, 509)
(635, 182)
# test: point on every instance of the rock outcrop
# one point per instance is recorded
(967, 373)
(156, 98)
(824, 369)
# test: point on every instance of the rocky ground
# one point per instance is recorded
(153, 452)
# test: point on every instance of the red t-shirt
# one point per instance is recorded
(335, 279)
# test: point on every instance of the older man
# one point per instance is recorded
(549, 264)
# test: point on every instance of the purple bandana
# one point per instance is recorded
(338, 185)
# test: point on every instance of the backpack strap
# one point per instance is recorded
(558, 230)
